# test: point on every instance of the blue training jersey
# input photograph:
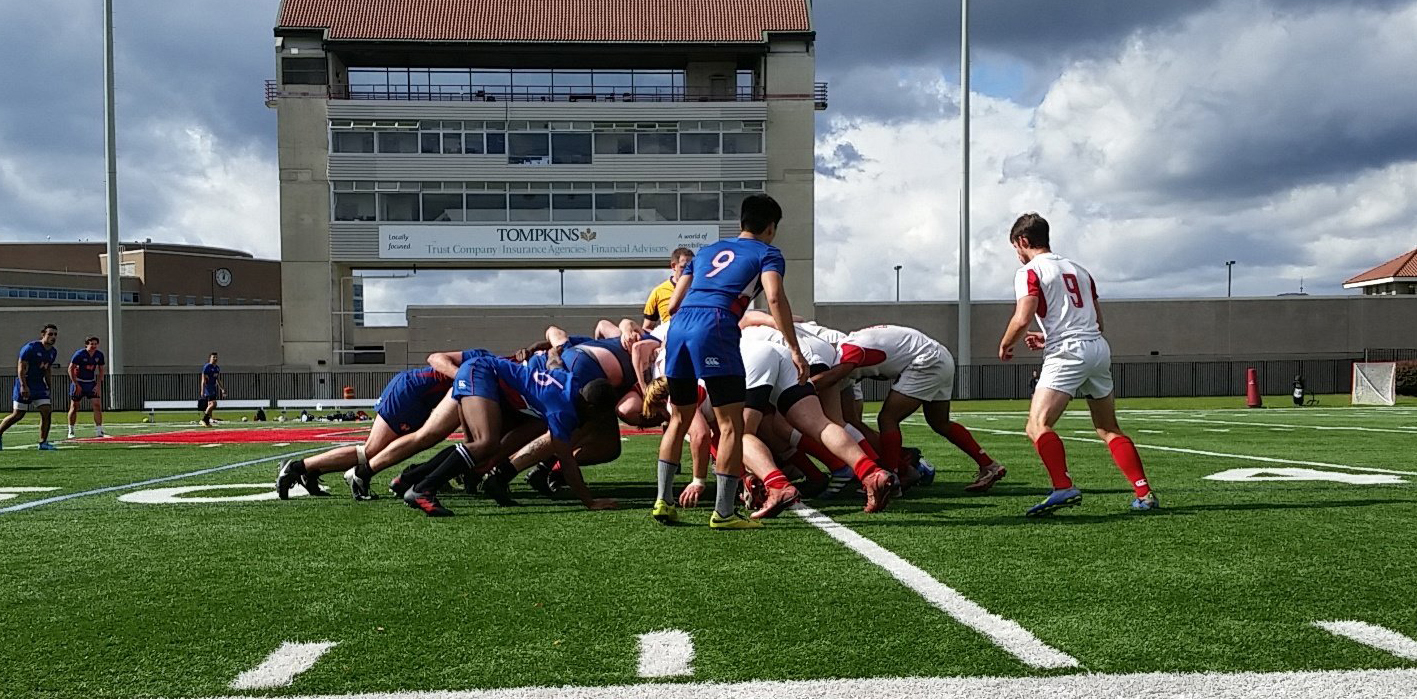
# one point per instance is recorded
(39, 358)
(426, 385)
(728, 274)
(212, 372)
(584, 367)
(549, 392)
(87, 364)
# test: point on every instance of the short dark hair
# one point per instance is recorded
(680, 254)
(759, 211)
(211, 354)
(1031, 228)
(90, 338)
(49, 326)
(597, 400)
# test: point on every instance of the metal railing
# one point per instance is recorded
(1133, 380)
(560, 93)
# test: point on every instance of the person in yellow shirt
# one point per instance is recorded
(657, 306)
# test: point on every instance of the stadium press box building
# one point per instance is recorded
(532, 134)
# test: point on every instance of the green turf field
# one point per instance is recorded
(106, 598)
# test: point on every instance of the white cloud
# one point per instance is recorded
(1230, 136)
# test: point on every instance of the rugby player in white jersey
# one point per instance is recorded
(1077, 361)
(922, 371)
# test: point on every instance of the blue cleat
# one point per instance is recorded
(46, 446)
(1146, 503)
(1055, 501)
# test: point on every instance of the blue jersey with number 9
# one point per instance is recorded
(728, 274)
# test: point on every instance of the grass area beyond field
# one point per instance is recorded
(1273, 520)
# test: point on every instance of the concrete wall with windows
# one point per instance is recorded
(789, 73)
(158, 339)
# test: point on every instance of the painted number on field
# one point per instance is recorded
(1303, 474)
(175, 496)
(10, 493)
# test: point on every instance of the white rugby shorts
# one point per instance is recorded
(768, 364)
(930, 378)
(1079, 368)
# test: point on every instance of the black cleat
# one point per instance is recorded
(398, 487)
(495, 487)
(427, 503)
(288, 475)
(539, 478)
(358, 487)
(311, 483)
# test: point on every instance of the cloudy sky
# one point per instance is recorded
(1160, 137)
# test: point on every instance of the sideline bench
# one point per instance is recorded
(224, 404)
(326, 404)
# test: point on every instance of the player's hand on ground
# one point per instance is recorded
(689, 496)
(602, 504)
(804, 370)
(1006, 352)
(1034, 340)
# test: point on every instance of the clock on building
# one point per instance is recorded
(223, 277)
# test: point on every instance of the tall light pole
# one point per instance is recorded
(966, 358)
(1229, 276)
(897, 283)
(115, 253)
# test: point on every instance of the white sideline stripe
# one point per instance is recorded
(1368, 684)
(281, 666)
(1005, 633)
(666, 654)
(150, 481)
(1318, 428)
(1222, 455)
(1372, 635)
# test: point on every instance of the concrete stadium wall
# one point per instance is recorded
(158, 338)
(1139, 330)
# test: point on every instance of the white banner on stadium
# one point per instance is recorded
(542, 241)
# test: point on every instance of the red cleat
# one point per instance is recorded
(777, 500)
(987, 477)
(880, 486)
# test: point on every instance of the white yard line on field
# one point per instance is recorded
(1217, 454)
(666, 654)
(1005, 633)
(164, 479)
(1318, 428)
(1374, 636)
(1348, 684)
(281, 666)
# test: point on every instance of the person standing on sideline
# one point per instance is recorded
(211, 389)
(1076, 361)
(86, 369)
(32, 382)
(657, 305)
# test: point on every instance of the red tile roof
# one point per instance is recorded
(1404, 265)
(562, 21)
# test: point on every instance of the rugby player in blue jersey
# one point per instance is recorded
(86, 369)
(32, 382)
(406, 403)
(210, 389)
(489, 390)
(702, 344)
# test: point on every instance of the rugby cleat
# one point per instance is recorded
(71, 435)
(838, 483)
(427, 503)
(358, 487)
(288, 475)
(664, 513)
(880, 487)
(311, 483)
(1055, 501)
(539, 479)
(494, 487)
(777, 500)
(46, 446)
(988, 476)
(733, 521)
(754, 492)
(1146, 503)
(398, 487)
